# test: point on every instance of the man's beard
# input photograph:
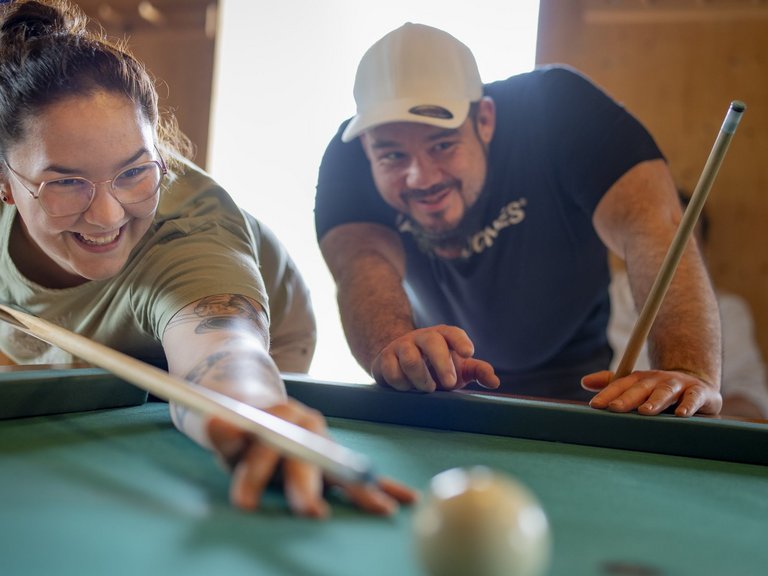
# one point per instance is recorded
(448, 240)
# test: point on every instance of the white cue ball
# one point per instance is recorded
(477, 522)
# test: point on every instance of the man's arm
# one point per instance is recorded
(637, 219)
(368, 263)
(220, 342)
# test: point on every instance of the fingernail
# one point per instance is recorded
(647, 406)
(388, 505)
(232, 447)
(319, 510)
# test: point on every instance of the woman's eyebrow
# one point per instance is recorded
(65, 170)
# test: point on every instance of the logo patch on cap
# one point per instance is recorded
(431, 111)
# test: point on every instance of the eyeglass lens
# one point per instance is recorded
(133, 185)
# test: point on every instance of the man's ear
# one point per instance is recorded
(486, 119)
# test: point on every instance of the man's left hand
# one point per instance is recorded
(651, 392)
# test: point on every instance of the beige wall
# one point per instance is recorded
(677, 64)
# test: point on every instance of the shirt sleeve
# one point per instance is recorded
(594, 138)
(200, 247)
(292, 327)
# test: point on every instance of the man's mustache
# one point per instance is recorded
(416, 194)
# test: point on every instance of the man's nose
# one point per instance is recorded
(423, 172)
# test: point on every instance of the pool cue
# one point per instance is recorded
(285, 437)
(687, 224)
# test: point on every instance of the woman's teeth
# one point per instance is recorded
(99, 240)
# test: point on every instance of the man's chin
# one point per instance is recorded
(440, 239)
(438, 234)
(438, 231)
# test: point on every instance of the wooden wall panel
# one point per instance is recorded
(175, 39)
(182, 61)
(677, 64)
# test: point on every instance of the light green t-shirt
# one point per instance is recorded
(200, 244)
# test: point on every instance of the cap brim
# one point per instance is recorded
(402, 111)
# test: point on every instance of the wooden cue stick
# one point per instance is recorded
(283, 436)
(687, 223)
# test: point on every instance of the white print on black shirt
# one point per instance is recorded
(477, 242)
(512, 213)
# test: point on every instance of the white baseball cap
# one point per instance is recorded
(415, 73)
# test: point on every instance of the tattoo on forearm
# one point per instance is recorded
(220, 312)
(225, 366)
(223, 310)
(206, 366)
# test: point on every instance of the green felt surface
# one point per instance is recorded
(120, 492)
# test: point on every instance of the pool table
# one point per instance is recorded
(117, 491)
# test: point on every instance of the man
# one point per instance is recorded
(457, 217)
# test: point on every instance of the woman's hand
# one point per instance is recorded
(254, 465)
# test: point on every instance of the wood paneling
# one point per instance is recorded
(175, 39)
(677, 64)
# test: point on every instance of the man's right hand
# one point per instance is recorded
(429, 359)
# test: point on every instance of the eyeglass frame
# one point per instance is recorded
(159, 162)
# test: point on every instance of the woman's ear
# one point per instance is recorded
(5, 193)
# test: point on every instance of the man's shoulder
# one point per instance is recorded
(539, 89)
(541, 75)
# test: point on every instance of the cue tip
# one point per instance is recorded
(738, 106)
(732, 118)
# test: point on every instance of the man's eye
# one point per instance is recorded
(443, 146)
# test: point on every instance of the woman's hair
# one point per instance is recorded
(47, 54)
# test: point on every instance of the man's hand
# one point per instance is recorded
(428, 359)
(254, 464)
(653, 391)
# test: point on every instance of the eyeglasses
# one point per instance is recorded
(74, 194)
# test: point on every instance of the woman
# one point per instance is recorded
(107, 231)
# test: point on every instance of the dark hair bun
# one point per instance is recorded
(25, 20)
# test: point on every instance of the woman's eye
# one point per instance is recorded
(68, 183)
(132, 173)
